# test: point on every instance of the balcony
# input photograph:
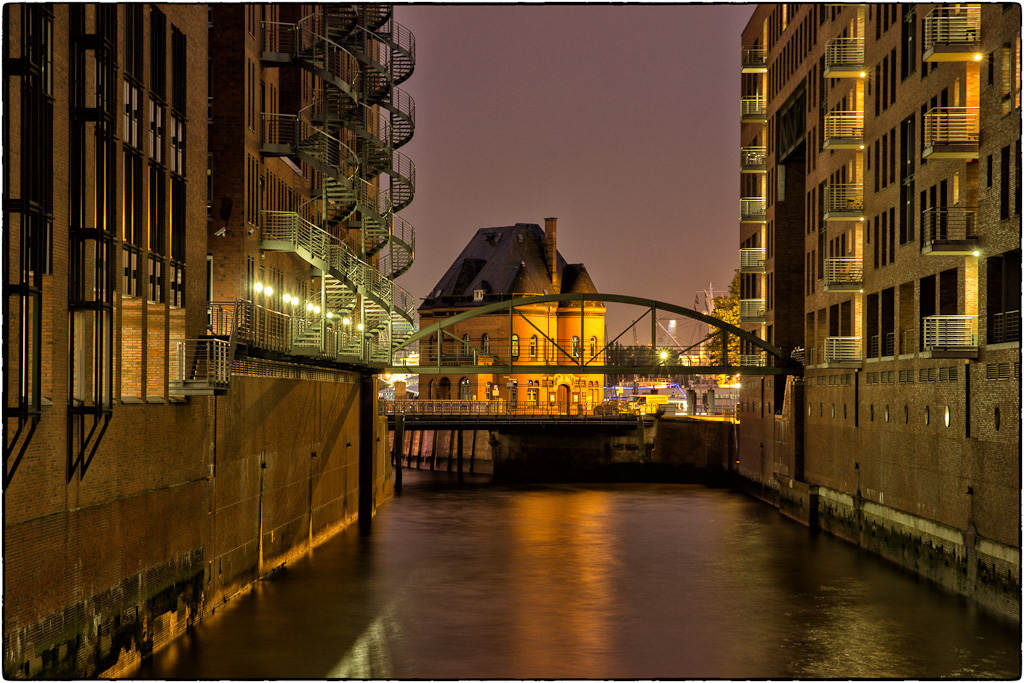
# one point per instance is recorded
(753, 110)
(951, 336)
(844, 130)
(844, 274)
(200, 367)
(949, 231)
(753, 159)
(752, 260)
(951, 133)
(841, 352)
(844, 202)
(754, 60)
(752, 310)
(752, 209)
(952, 34)
(844, 58)
(1004, 327)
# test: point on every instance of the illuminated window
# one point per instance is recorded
(593, 347)
(485, 342)
(515, 347)
(576, 347)
(533, 346)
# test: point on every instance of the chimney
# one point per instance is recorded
(551, 253)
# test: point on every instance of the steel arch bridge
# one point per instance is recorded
(471, 357)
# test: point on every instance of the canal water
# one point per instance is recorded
(589, 581)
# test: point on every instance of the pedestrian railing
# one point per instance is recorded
(950, 331)
(841, 349)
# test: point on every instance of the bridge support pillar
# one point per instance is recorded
(367, 401)
(458, 465)
(399, 451)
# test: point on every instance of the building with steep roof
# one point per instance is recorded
(513, 262)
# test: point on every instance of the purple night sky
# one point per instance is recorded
(621, 121)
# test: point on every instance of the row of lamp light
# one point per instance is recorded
(267, 290)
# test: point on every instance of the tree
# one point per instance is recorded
(727, 309)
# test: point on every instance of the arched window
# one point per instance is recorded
(485, 342)
(490, 389)
(593, 347)
(515, 347)
(465, 345)
(533, 346)
(464, 388)
(575, 346)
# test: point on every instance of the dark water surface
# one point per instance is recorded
(589, 581)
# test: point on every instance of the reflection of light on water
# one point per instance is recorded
(566, 558)
(369, 656)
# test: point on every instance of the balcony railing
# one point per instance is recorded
(844, 273)
(200, 366)
(844, 130)
(844, 202)
(752, 209)
(952, 33)
(950, 331)
(753, 109)
(951, 133)
(844, 57)
(1004, 327)
(841, 349)
(752, 159)
(752, 310)
(752, 260)
(874, 345)
(754, 60)
(950, 230)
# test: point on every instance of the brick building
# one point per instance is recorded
(499, 264)
(191, 329)
(880, 244)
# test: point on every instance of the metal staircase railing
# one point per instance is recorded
(349, 132)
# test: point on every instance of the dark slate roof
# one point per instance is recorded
(503, 261)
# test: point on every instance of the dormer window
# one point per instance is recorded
(478, 294)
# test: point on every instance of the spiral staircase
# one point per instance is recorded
(350, 132)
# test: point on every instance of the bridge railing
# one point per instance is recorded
(445, 407)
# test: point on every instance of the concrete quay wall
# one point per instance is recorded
(183, 507)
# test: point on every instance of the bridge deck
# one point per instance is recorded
(452, 413)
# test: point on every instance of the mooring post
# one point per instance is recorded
(458, 464)
(399, 450)
(367, 416)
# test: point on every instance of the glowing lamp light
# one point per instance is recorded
(316, 309)
(258, 286)
(329, 314)
(309, 307)
(346, 320)
(862, 146)
(976, 253)
(863, 74)
(663, 355)
(359, 327)
(269, 291)
(977, 58)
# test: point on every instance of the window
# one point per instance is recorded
(485, 343)
(179, 70)
(533, 347)
(132, 125)
(464, 389)
(157, 214)
(155, 139)
(177, 145)
(465, 345)
(593, 347)
(575, 347)
(157, 52)
(515, 347)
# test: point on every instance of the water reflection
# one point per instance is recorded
(611, 581)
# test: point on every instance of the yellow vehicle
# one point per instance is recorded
(646, 404)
